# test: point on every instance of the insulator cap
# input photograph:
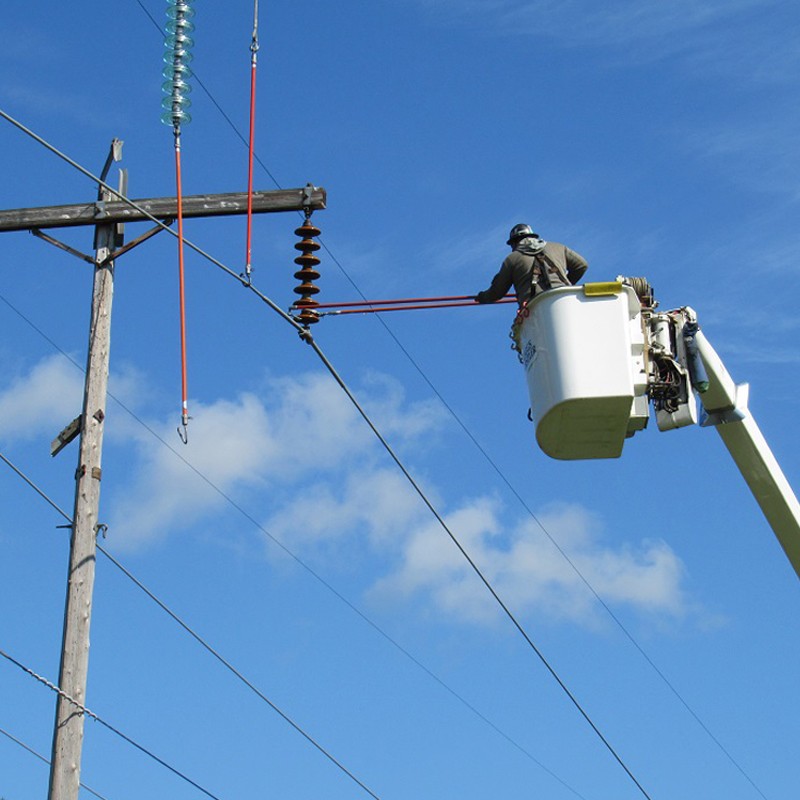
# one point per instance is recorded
(307, 244)
(308, 317)
(306, 289)
(307, 260)
(307, 231)
(305, 302)
(307, 274)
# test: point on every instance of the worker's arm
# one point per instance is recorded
(576, 265)
(500, 286)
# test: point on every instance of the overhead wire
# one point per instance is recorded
(286, 550)
(83, 710)
(402, 304)
(229, 666)
(199, 639)
(162, 225)
(277, 542)
(481, 449)
(46, 760)
(476, 569)
(303, 332)
(306, 336)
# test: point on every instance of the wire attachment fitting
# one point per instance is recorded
(183, 428)
(254, 43)
(308, 261)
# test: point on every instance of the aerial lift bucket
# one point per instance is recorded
(582, 348)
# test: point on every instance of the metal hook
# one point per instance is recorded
(184, 434)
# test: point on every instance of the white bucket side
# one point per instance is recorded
(577, 354)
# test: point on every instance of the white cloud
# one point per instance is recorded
(301, 427)
(228, 444)
(529, 573)
(47, 398)
(301, 452)
(712, 36)
(129, 385)
(376, 505)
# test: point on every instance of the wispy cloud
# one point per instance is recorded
(47, 397)
(528, 571)
(299, 428)
(308, 461)
(711, 36)
(624, 22)
(757, 154)
(301, 455)
(478, 252)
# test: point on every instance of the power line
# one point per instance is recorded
(163, 226)
(45, 760)
(279, 544)
(199, 639)
(305, 334)
(248, 683)
(475, 567)
(83, 710)
(483, 451)
(227, 664)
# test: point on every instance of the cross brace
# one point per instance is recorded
(201, 205)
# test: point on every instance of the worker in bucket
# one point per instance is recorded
(533, 267)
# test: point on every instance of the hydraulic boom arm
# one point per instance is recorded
(725, 404)
(599, 357)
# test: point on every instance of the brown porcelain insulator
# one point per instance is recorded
(307, 272)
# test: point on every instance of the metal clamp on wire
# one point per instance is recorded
(305, 335)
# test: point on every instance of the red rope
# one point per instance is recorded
(248, 260)
(253, 65)
(403, 301)
(184, 392)
(380, 309)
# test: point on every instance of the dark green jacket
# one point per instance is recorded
(524, 271)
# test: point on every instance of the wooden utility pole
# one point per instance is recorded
(108, 214)
(65, 765)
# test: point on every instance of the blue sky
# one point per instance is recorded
(657, 139)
